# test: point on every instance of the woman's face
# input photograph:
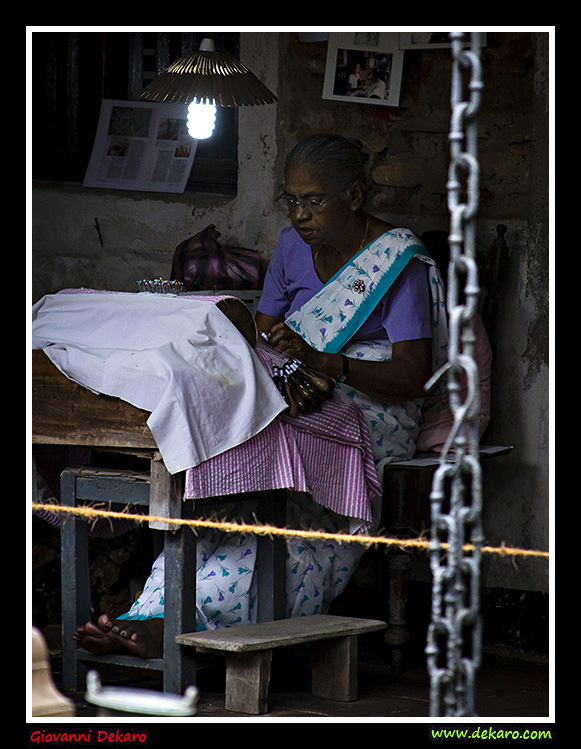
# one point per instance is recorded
(304, 183)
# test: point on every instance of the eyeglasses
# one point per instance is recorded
(311, 204)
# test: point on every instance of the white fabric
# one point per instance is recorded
(179, 358)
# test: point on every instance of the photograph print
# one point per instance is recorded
(360, 72)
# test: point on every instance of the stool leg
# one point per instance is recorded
(75, 581)
(247, 680)
(397, 635)
(334, 674)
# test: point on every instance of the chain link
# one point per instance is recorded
(453, 646)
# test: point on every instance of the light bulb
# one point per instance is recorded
(201, 118)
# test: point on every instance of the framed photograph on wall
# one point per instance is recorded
(431, 40)
(364, 68)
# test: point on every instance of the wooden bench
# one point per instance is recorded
(248, 649)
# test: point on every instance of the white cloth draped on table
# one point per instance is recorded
(177, 357)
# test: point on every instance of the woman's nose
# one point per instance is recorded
(301, 211)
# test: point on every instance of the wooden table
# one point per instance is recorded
(64, 413)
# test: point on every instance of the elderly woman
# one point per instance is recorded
(358, 300)
(354, 296)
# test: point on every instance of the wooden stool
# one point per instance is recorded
(406, 513)
(248, 649)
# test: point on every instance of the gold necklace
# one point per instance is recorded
(361, 246)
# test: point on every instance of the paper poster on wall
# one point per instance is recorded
(141, 146)
(364, 67)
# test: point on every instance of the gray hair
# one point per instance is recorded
(340, 159)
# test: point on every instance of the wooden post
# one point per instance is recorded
(75, 581)
(397, 634)
(179, 609)
(165, 495)
(271, 559)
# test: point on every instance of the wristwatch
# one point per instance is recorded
(345, 373)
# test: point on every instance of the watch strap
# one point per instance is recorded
(345, 373)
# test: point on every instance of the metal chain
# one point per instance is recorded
(453, 646)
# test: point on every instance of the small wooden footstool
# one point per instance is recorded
(248, 649)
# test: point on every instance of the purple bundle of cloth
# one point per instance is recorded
(201, 263)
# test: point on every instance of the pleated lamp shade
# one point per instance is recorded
(206, 74)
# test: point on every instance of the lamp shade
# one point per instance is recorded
(206, 74)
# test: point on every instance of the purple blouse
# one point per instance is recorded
(291, 279)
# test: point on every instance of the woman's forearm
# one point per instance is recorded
(400, 379)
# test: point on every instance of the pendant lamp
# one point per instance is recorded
(205, 79)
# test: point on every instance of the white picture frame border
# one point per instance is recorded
(420, 40)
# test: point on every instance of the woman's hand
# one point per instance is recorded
(286, 340)
(280, 336)
(304, 388)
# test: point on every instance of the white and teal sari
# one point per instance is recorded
(329, 320)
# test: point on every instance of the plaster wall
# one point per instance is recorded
(140, 231)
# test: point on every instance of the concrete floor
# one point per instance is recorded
(509, 686)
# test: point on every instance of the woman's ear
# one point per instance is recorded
(357, 195)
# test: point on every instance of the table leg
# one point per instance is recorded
(75, 581)
(271, 560)
(179, 608)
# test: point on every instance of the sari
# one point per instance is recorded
(329, 320)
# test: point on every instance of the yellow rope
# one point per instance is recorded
(271, 530)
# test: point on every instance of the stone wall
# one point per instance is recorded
(408, 146)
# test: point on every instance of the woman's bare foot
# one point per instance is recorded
(140, 637)
(90, 637)
(143, 638)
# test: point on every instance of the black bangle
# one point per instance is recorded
(345, 373)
